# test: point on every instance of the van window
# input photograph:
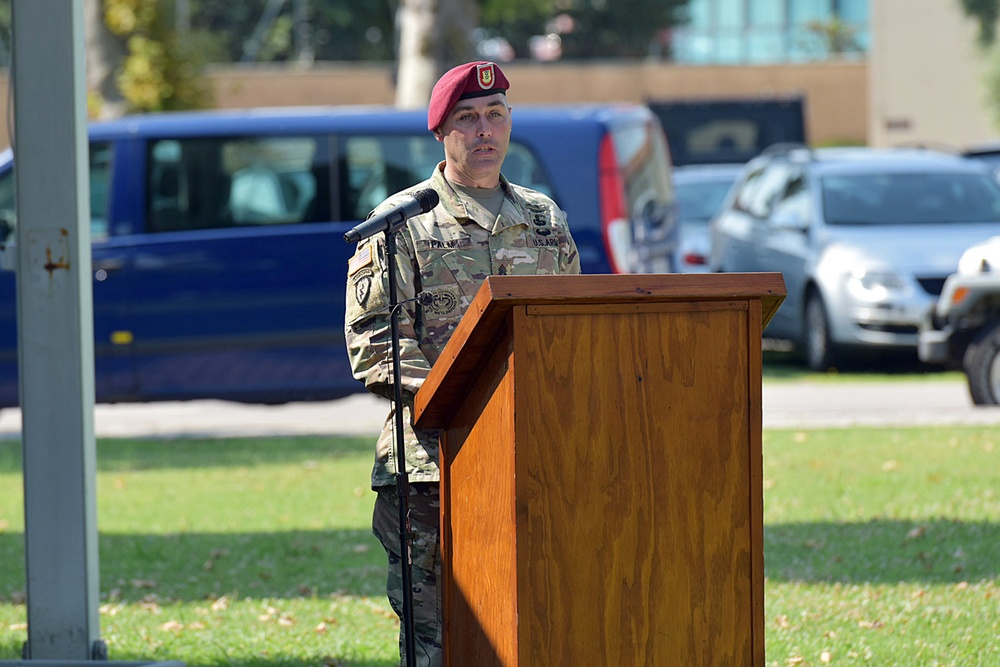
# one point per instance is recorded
(521, 168)
(100, 180)
(238, 181)
(100, 185)
(373, 167)
(8, 209)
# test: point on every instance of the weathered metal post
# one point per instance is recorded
(55, 329)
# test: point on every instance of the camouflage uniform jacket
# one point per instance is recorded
(446, 253)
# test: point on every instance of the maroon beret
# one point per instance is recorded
(469, 80)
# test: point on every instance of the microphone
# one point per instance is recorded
(420, 202)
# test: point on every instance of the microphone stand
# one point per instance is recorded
(427, 199)
(402, 479)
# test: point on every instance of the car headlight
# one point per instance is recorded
(868, 285)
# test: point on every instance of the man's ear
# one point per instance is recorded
(438, 134)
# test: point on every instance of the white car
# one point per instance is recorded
(700, 191)
(865, 239)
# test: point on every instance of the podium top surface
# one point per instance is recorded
(498, 294)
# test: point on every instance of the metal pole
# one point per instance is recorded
(402, 478)
(55, 330)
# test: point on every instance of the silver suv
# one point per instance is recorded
(864, 238)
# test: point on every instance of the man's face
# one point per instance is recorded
(476, 134)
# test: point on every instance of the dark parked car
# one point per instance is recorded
(218, 255)
(864, 238)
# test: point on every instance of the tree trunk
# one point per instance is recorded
(105, 53)
(434, 35)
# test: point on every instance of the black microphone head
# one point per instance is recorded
(427, 198)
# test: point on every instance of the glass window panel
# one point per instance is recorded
(853, 11)
(730, 13)
(802, 12)
(729, 48)
(213, 183)
(700, 14)
(767, 13)
(375, 167)
(766, 46)
(100, 185)
(521, 167)
(8, 209)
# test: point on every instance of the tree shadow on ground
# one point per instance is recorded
(882, 551)
(189, 567)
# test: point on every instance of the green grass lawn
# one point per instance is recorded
(882, 547)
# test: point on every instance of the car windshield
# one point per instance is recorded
(909, 198)
(700, 200)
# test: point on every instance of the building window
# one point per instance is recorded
(772, 31)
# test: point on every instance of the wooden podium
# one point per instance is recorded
(601, 471)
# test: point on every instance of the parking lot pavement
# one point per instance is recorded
(806, 404)
(802, 404)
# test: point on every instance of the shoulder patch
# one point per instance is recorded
(361, 259)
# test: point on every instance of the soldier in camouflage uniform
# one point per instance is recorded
(484, 225)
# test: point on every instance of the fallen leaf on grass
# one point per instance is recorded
(172, 626)
(916, 533)
(151, 607)
(826, 656)
(110, 609)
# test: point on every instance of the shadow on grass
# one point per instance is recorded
(193, 567)
(14, 648)
(115, 454)
(882, 551)
(200, 566)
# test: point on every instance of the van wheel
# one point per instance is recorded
(981, 364)
(820, 353)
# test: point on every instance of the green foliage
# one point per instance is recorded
(600, 29)
(162, 69)
(624, 28)
(986, 13)
(836, 36)
(346, 30)
(340, 29)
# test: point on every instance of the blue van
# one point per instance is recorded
(219, 261)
